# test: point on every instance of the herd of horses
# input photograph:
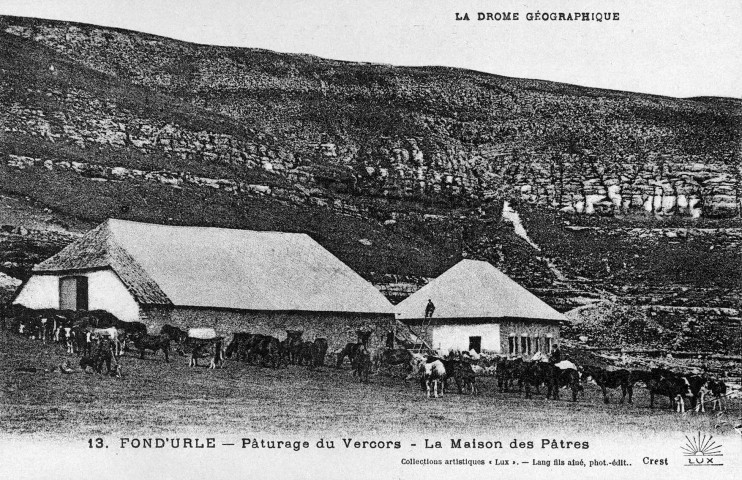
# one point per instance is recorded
(100, 338)
(678, 387)
(270, 351)
(99, 341)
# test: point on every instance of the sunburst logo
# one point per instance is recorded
(703, 449)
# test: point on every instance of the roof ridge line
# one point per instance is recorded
(202, 227)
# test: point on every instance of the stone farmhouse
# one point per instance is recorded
(477, 307)
(227, 279)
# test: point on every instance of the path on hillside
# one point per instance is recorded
(512, 216)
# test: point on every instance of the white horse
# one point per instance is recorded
(540, 357)
(112, 333)
(435, 372)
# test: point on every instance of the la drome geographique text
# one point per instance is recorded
(539, 16)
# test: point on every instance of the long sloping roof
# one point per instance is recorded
(223, 268)
(99, 249)
(476, 289)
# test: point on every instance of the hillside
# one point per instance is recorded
(400, 172)
(411, 132)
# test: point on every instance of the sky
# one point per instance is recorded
(678, 48)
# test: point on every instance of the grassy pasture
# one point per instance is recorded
(156, 398)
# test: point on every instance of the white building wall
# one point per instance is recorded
(105, 292)
(456, 337)
(40, 291)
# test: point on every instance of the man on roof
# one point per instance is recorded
(429, 309)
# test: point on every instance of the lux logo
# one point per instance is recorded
(702, 450)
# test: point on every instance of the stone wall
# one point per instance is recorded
(532, 329)
(528, 328)
(337, 328)
(154, 317)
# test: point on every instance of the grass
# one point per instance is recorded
(402, 249)
(615, 260)
(156, 398)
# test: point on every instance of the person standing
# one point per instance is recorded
(556, 355)
(390, 339)
(42, 329)
(429, 309)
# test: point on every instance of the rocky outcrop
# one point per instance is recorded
(21, 248)
(8, 283)
(288, 194)
(668, 328)
(397, 287)
(399, 170)
(656, 184)
(381, 131)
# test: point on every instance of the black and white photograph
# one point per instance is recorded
(358, 240)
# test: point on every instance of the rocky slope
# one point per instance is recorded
(423, 131)
(88, 146)
(401, 172)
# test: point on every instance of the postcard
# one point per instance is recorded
(387, 239)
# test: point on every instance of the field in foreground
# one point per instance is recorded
(155, 398)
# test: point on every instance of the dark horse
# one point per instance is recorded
(537, 373)
(350, 350)
(612, 379)
(362, 364)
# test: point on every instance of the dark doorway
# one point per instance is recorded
(475, 343)
(73, 293)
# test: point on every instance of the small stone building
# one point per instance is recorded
(230, 280)
(477, 307)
